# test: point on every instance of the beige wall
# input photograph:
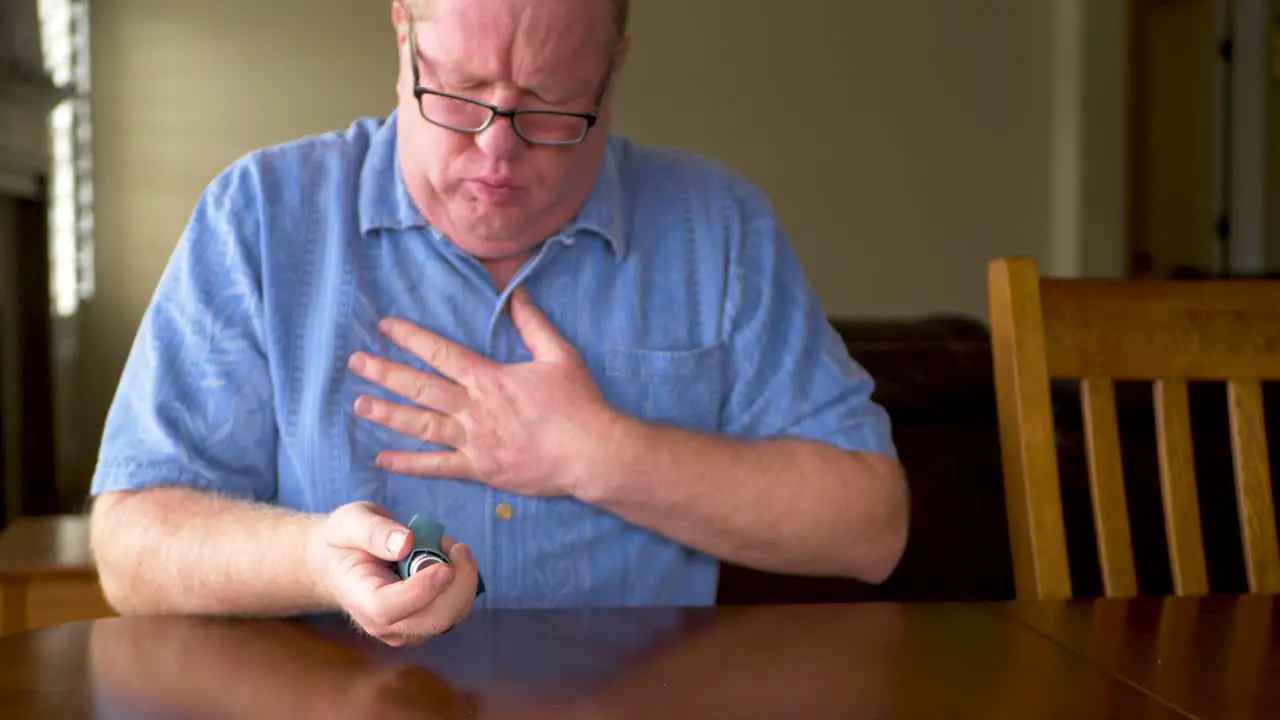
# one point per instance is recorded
(904, 143)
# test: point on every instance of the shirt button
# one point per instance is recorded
(504, 511)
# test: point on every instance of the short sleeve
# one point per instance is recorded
(194, 404)
(790, 373)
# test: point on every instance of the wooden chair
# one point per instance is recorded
(1100, 331)
(47, 574)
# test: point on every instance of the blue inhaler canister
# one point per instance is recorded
(427, 534)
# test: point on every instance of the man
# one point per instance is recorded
(599, 365)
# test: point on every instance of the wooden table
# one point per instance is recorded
(815, 661)
(1208, 657)
(47, 575)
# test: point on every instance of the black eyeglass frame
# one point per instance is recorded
(495, 111)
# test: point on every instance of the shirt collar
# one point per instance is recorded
(604, 212)
(385, 204)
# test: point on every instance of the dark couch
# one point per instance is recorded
(934, 375)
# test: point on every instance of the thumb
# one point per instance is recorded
(362, 526)
(543, 339)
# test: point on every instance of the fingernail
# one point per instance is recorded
(396, 541)
(442, 577)
(356, 363)
(364, 406)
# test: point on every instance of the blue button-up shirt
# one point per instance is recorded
(675, 282)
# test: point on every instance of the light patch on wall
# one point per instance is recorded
(64, 30)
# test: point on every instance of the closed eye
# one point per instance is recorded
(468, 87)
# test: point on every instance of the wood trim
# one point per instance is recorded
(13, 606)
(1135, 155)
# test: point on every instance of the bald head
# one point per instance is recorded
(621, 10)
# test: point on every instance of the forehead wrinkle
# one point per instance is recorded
(468, 40)
(557, 48)
(539, 46)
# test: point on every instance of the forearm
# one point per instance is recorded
(181, 551)
(789, 506)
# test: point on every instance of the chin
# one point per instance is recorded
(495, 220)
(493, 238)
(489, 251)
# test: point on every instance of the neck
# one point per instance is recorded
(504, 270)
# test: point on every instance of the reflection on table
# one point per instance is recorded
(1210, 657)
(818, 661)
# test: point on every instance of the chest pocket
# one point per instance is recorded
(677, 387)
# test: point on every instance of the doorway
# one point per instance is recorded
(1178, 186)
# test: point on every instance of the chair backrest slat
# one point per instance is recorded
(1253, 485)
(1106, 485)
(1178, 488)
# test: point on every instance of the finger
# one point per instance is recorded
(445, 464)
(539, 334)
(425, 389)
(458, 599)
(453, 604)
(447, 357)
(386, 600)
(364, 526)
(426, 425)
(460, 555)
(364, 506)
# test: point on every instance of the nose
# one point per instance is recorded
(499, 140)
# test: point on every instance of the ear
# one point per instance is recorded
(400, 21)
(620, 55)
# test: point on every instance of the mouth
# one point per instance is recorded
(495, 188)
(498, 182)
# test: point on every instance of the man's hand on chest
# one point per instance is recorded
(524, 428)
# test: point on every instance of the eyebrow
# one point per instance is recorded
(432, 67)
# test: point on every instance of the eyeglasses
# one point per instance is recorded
(467, 115)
